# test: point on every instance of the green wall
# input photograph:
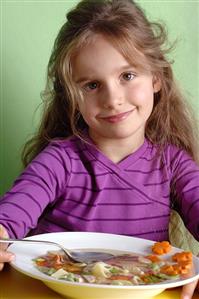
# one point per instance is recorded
(27, 34)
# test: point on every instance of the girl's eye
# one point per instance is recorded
(91, 86)
(128, 76)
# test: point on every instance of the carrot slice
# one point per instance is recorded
(182, 268)
(185, 256)
(169, 270)
(153, 258)
(161, 247)
(120, 277)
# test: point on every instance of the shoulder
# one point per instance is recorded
(168, 151)
(177, 159)
(171, 155)
(58, 153)
(69, 145)
(174, 154)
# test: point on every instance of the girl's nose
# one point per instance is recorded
(113, 97)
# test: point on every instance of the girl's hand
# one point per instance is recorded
(4, 255)
(188, 290)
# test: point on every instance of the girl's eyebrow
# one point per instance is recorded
(90, 78)
(83, 79)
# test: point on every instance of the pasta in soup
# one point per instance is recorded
(124, 269)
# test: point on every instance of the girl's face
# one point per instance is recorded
(118, 98)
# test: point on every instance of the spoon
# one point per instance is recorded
(74, 256)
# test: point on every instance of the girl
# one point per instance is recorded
(115, 150)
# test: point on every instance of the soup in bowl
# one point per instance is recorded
(131, 273)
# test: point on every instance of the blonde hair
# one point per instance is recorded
(141, 42)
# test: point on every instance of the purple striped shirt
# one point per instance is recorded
(71, 186)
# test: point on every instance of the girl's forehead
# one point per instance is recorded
(100, 48)
(99, 55)
(93, 41)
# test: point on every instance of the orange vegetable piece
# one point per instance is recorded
(181, 268)
(169, 270)
(185, 256)
(153, 258)
(120, 277)
(185, 265)
(161, 247)
(175, 269)
(41, 263)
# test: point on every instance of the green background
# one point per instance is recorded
(28, 30)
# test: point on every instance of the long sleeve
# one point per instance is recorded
(186, 183)
(39, 186)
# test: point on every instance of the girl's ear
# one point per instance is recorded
(156, 84)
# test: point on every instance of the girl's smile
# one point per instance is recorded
(117, 117)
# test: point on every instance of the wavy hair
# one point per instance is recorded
(142, 43)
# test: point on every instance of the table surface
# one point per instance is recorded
(15, 285)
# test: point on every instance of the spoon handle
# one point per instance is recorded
(66, 251)
(10, 240)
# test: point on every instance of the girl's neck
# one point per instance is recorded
(117, 149)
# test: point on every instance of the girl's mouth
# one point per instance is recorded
(118, 117)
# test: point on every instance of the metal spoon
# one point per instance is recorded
(74, 256)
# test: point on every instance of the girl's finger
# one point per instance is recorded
(3, 234)
(6, 256)
(1, 266)
(188, 290)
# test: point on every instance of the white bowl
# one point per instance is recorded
(26, 252)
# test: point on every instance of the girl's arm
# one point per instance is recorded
(185, 184)
(41, 183)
